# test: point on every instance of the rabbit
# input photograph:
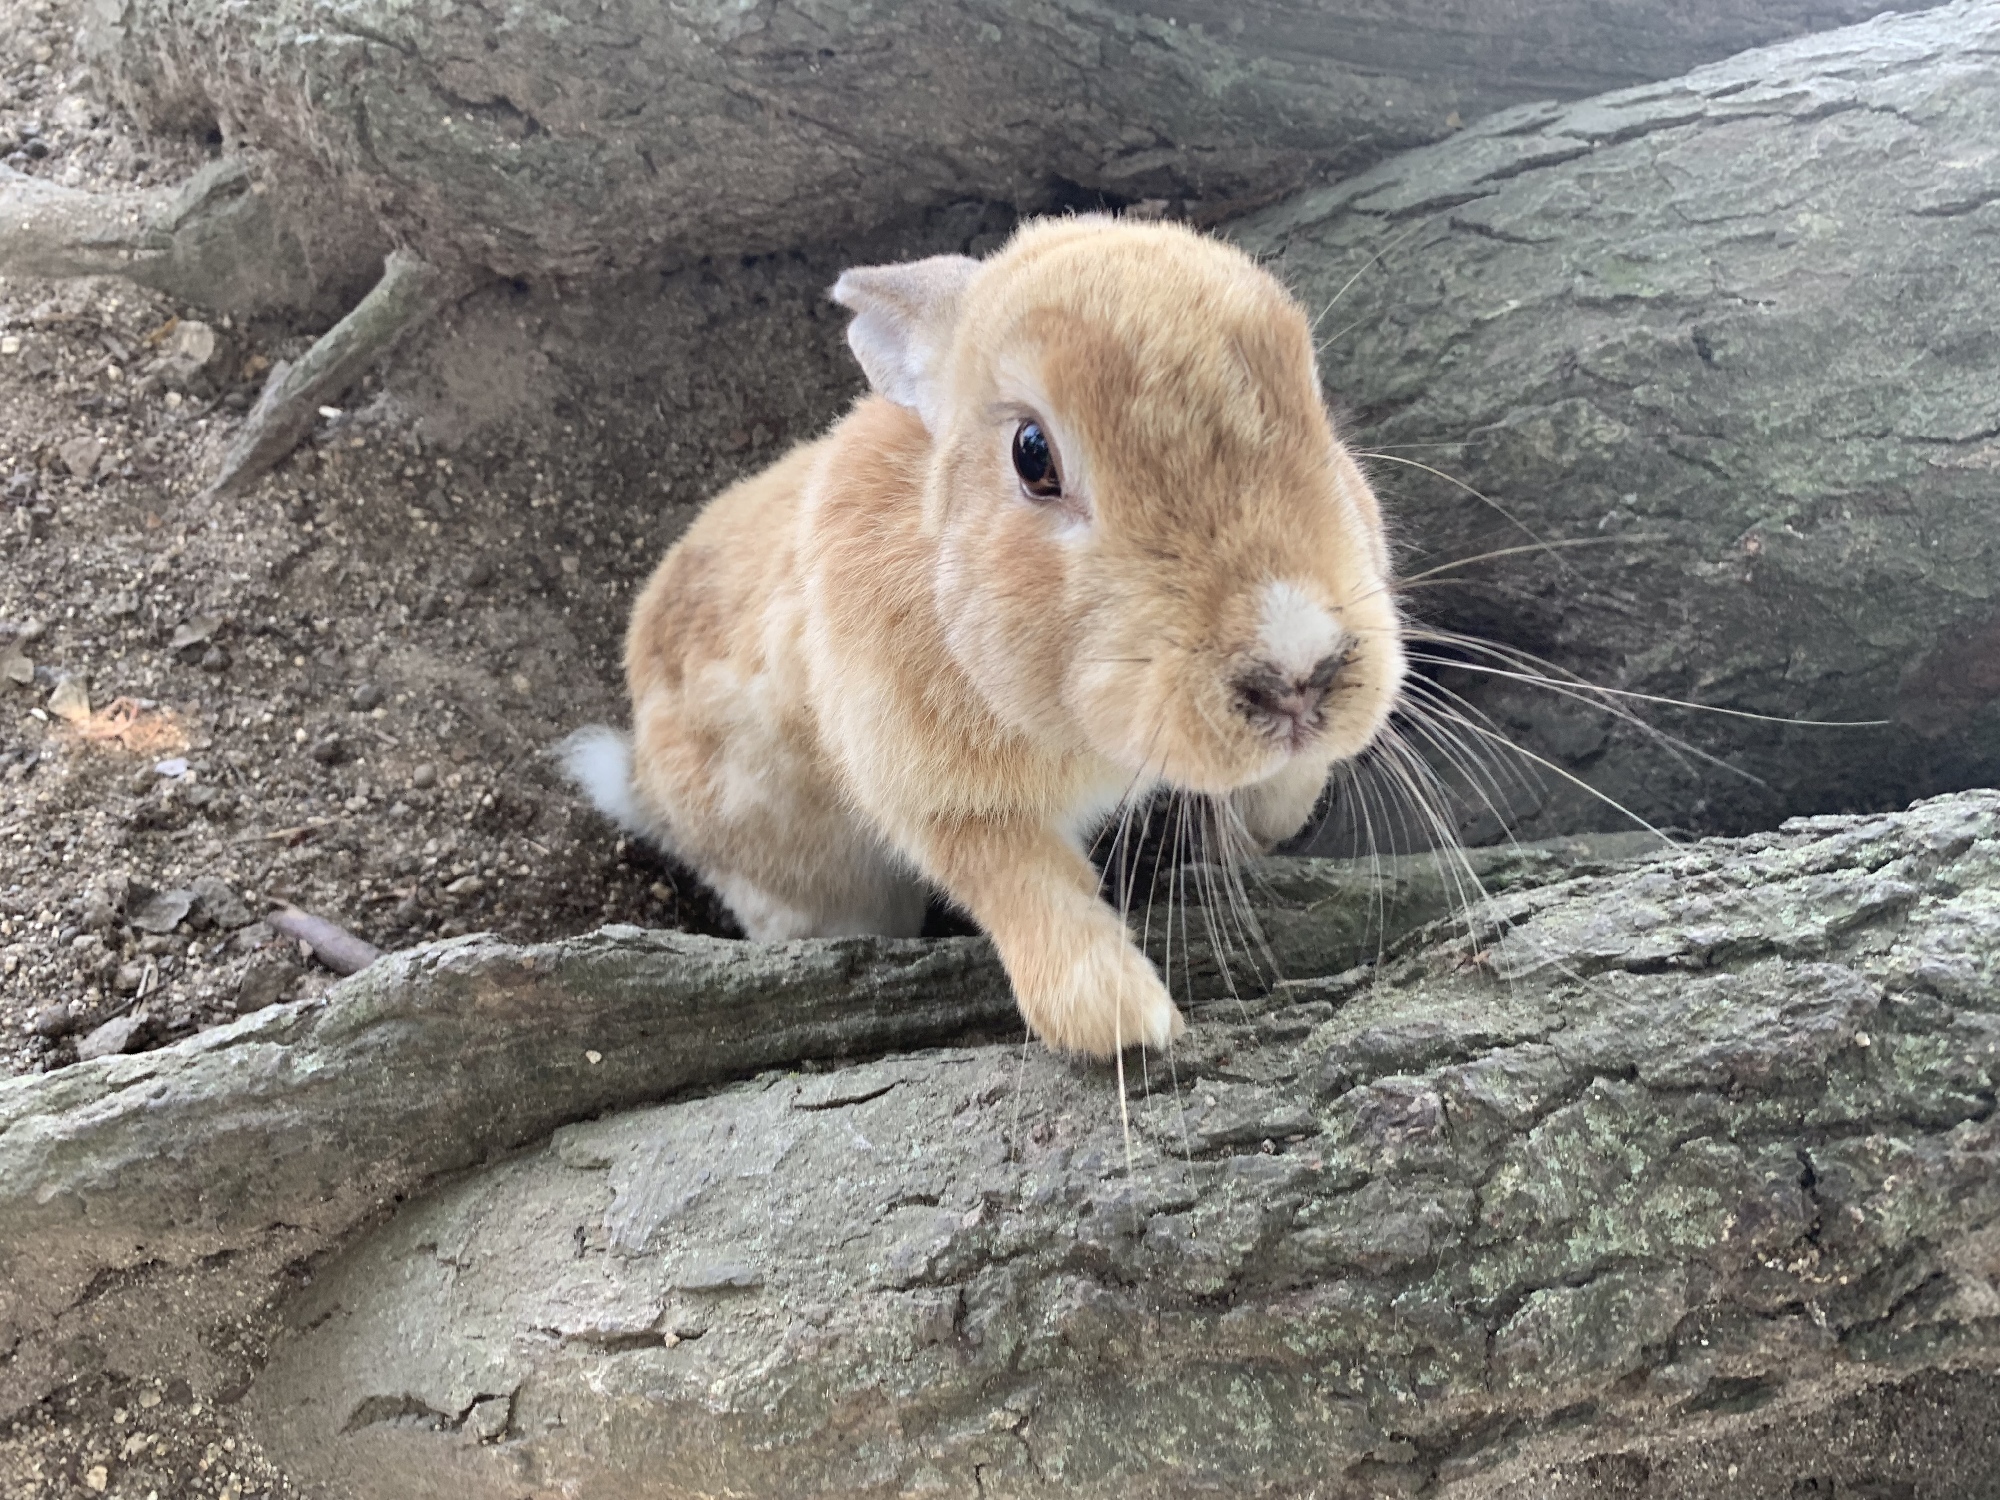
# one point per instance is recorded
(1090, 533)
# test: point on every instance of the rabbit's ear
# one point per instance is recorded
(903, 317)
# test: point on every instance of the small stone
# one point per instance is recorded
(96, 1478)
(197, 630)
(100, 913)
(70, 700)
(215, 659)
(465, 885)
(15, 666)
(192, 344)
(264, 983)
(80, 455)
(54, 1021)
(173, 768)
(11, 344)
(221, 905)
(424, 777)
(119, 1034)
(163, 911)
(368, 695)
(128, 978)
(329, 751)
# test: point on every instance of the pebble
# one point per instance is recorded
(193, 343)
(220, 904)
(54, 1021)
(465, 885)
(119, 1034)
(163, 911)
(80, 455)
(10, 345)
(215, 659)
(264, 983)
(195, 631)
(70, 700)
(367, 696)
(424, 777)
(330, 751)
(128, 978)
(15, 666)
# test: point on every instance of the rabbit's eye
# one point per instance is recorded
(1036, 463)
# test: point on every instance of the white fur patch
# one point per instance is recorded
(1295, 633)
(599, 761)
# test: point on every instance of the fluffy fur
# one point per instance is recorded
(883, 661)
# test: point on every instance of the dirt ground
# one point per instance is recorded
(339, 689)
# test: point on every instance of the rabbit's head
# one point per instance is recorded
(1149, 540)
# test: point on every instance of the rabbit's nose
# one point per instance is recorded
(1285, 701)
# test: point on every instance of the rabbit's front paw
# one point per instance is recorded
(1105, 999)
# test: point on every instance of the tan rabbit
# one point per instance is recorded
(1091, 534)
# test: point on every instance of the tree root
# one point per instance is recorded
(410, 292)
(226, 240)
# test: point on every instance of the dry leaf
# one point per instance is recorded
(142, 728)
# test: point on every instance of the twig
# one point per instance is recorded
(334, 946)
(410, 292)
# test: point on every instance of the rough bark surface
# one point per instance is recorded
(568, 135)
(231, 239)
(1737, 332)
(208, 1166)
(1700, 1143)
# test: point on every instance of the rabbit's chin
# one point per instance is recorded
(1216, 771)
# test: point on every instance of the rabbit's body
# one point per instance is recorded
(898, 656)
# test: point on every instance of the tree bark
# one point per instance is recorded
(1735, 334)
(142, 1196)
(1708, 1137)
(563, 137)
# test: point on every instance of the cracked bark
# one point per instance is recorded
(565, 138)
(142, 1196)
(1692, 1151)
(1744, 319)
